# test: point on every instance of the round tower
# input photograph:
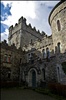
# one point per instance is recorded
(57, 21)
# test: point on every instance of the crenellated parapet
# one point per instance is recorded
(5, 45)
(33, 28)
(11, 28)
(21, 23)
(43, 33)
(22, 34)
(22, 19)
(29, 25)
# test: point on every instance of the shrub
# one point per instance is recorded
(9, 84)
(64, 67)
(42, 84)
(57, 88)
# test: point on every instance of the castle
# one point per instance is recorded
(44, 54)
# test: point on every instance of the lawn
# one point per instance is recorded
(23, 94)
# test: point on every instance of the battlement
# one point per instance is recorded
(36, 31)
(33, 28)
(22, 19)
(27, 31)
(29, 26)
(11, 28)
(5, 45)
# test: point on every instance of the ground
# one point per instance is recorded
(23, 94)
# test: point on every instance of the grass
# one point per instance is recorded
(43, 91)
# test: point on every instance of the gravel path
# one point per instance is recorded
(23, 94)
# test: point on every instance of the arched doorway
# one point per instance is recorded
(33, 78)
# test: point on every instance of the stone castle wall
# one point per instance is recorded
(24, 33)
(21, 35)
(38, 46)
(10, 61)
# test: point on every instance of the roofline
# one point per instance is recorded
(54, 9)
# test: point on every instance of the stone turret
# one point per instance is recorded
(57, 21)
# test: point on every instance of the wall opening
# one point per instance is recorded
(33, 78)
(43, 71)
(47, 53)
(43, 53)
(58, 25)
(58, 45)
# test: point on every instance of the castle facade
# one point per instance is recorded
(45, 54)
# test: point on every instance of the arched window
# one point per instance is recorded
(43, 53)
(29, 56)
(58, 25)
(31, 42)
(47, 52)
(58, 47)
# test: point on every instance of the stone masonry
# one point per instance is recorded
(44, 54)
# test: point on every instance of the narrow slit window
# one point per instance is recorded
(58, 25)
(58, 47)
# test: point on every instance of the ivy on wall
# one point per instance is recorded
(64, 67)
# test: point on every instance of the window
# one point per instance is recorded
(9, 58)
(5, 58)
(31, 42)
(29, 56)
(9, 75)
(48, 53)
(43, 53)
(43, 70)
(58, 25)
(58, 45)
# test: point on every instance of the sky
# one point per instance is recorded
(35, 12)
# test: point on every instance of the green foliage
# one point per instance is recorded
(64, 67)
